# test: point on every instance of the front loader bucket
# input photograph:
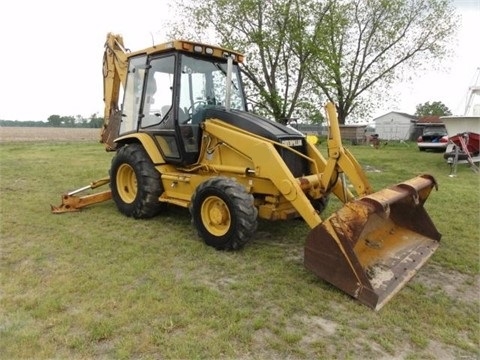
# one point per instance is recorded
(373, 246)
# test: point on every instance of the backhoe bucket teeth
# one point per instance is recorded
(373, 246)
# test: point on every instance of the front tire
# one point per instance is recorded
(135, 183)
(223, 213)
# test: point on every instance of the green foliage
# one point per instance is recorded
(18, 123)
(435, 108)
(55, 120)
(78, 121)
(272, 35)
(300, 53)
(364, 46)
(58, 121)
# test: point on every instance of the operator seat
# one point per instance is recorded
(182, 116)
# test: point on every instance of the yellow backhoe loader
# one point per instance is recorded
(183, 136)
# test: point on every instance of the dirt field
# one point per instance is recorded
(8, 134)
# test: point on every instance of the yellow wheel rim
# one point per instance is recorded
(127, 183)
(215, 216)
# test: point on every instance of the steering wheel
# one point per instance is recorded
(194, 107)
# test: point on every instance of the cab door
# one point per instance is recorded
(132, 98)
(158, 113)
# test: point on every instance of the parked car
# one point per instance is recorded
(433, 138)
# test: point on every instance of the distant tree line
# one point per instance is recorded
(59, 121)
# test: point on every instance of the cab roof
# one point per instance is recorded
(192, 47)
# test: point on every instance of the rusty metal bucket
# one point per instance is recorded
(373, 246)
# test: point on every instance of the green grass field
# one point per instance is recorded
(95, 284)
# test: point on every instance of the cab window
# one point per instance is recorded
(158, 99)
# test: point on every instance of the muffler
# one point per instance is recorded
(374, 245)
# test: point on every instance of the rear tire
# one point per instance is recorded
(223, 213)
(135, 183)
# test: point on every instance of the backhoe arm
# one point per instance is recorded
(115, 67)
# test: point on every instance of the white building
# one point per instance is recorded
(395, 126)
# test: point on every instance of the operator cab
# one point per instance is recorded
(166, 95)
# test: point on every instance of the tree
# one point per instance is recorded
(271, 33)
(68, 121)
(54, 120)
(302, 52)
(95, 121)
(365, 45)
(435, 108)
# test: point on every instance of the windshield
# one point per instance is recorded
(436, 130)
(203, 85)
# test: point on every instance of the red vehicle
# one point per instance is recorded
(464, 137)
(464, 147)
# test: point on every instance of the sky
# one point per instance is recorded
(451, 84)
(52, 56)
